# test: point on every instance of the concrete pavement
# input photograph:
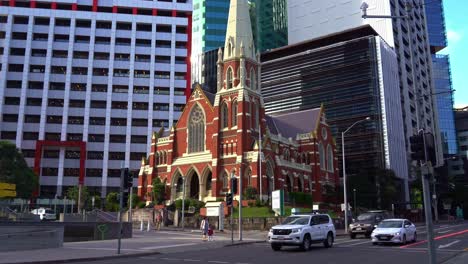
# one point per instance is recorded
(142, 244)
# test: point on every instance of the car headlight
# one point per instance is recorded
(271, 230)
(397, 234)
(296, 230)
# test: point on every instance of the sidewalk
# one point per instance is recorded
(142, 244)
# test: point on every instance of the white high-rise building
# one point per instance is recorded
(309, 19)
(84, 83)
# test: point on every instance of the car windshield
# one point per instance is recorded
(365, 217)
(390, 224)
(296, 220)
(49, 212)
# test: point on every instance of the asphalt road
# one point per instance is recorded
(451, 240)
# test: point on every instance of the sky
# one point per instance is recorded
(456, 20)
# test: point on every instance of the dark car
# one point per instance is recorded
(364, 224)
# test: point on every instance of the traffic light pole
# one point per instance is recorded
(119, 235)
(427, 203)
(232, 224)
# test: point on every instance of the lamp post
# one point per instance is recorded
(344, 170)
(183, 201)
(355, 205)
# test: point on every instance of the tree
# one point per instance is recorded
(15, 170)
(159, 190)
(112, 202)
(73, 193)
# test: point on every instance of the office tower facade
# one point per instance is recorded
(269, 23)
(458, 168)
(354, 74)
(210, 19)
(312, 19)
(83, 83)
(442, 76)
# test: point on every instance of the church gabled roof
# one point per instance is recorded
(293, 123)
(211, 97)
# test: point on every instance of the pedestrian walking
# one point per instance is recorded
(158, 221)
(204, 228)
(210, 233)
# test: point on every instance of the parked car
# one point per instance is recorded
(394, 231)
(45, 214)
(365, 223)
(302, 231)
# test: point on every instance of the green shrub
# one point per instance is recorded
(141, 204)
(250, 193)
(259, 203)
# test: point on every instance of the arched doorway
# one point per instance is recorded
(194, 186)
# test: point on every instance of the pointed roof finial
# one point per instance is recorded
(143, 161)
(220, 55)
(239, 28)
(242, 49)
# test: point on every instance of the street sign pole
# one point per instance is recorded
(183, 202)
(240, 202)
(232, 223)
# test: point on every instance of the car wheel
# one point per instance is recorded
(275, 247)
(328, 243)
(404, 240)
(306, 243)
(352, 236)
(415, 237)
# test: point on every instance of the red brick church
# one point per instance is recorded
(218, 135)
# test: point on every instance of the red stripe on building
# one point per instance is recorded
(40, 144)
(135, 11)
(32, 4)
(174, 13)
(54, 5)
(95, 5)
(74, 7)
(188, 74)
(12, 3)
(114, 9)
(155, 12)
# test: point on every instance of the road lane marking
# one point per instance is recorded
(192, 260)
(102, 248)
(436, 238)
(446, 231)
(169, 246)
(449, 244)
(216, 261)
(171, 259)
(355, 244)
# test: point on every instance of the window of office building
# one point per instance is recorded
(116, 155)
(32, 119)
(118, 121)
(72, 154)
(53, 119)
(51, 154)
(71, 172)
(10, 118)
(52, 136)
(95, 138)
(30, 101)
(97, 121)
(30, 135)
(75, 120)
(117, 138)
(95, 155)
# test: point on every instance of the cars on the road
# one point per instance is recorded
(45, 214)
(365, 223)
(303, 230)
(399, 231)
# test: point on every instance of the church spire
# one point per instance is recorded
(239, 30)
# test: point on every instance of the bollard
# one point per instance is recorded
(141, 225)
(148, 227)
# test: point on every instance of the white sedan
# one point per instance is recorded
(398, 231)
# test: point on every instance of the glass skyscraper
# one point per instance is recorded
(442, 77)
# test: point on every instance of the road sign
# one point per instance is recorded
(277, 202)
(7, 190)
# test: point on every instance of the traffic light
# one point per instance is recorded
(229, 199)
(417, 148)
(430, 148)
(234, 185)
(128, 179)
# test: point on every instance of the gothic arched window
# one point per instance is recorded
(234, 113)
(330, 158)
(322, 156)
(253, 79)
(224, 115)
(229, 78)
(196, 130)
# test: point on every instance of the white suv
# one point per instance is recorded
(302, 231)
(45, 214)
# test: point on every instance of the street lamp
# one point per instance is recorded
(344, 169)
(183, 201)
(355, 205)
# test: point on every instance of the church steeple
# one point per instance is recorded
(239, 31)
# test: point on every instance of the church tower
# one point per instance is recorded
(238, 98)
